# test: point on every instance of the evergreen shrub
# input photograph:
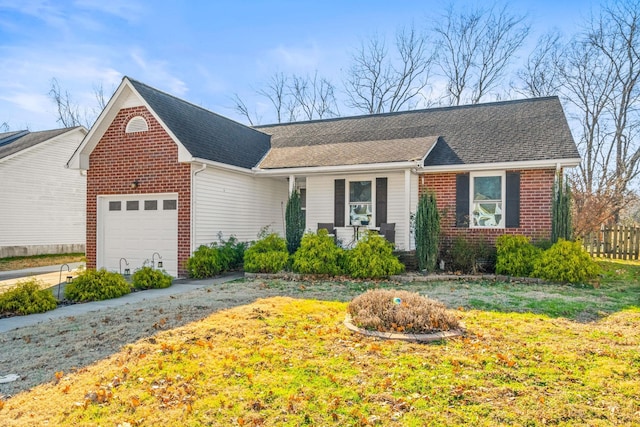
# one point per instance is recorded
(318, 254)
(27, 297)
(96, 285)
(267, 255)
(515, 255)
(565, 261)
(149, 278)
(373, 258)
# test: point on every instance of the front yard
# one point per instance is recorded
(532, 355)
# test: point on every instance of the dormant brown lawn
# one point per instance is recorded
(284, 361)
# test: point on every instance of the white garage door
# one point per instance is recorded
(135, 228)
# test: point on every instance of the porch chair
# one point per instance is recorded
(329, 227)
(388, 231)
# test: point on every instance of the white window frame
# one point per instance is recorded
(503, 191)
(372, 221)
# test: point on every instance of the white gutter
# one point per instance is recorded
(532, 164)
(336, 169)
(193, 206)
(219, 165)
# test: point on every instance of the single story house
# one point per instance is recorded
(165, 176)
(43, 203)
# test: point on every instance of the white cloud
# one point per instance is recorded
(33, 102)
(155, 72)
(128, 10)
(43, 10)
(296, 58)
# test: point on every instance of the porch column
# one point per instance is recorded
(292, 183)
(406, 236)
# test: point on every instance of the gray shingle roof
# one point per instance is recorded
(13, 142)
(205, 134)
(509, 131)
(350, 153)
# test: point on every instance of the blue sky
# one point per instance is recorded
(202, 51)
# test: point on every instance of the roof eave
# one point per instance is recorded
(320, 170)
(80, 158)
(528, 164)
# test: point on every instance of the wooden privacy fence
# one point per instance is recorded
(617, 241)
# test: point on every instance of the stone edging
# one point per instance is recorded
(421, 338)
(399, 278)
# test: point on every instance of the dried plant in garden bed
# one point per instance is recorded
(406, 312)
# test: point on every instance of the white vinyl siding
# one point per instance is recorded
(320, 197)
(236, 204)
(43, 203)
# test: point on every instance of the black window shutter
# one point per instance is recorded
(381, 201)
(512, 214)
(338, 203)
(462, 200)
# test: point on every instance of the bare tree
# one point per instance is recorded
(313, 97)
(379, 82)
(475, 50)
(540, 74)
(70, 113)
(241, 108)
(4, 127)
(68, 110)
(294, 97)
(599, 73)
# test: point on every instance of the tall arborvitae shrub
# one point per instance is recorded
(427, 232)
(294, 220)
(561, 227)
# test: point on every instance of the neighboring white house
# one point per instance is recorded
(42, 208)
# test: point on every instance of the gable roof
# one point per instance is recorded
(14, 142)
(206, 135)
(509, 131)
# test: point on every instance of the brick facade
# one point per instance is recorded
(149, 157)
(536, 188)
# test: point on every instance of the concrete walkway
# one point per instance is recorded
(179, 286)
(36, 271)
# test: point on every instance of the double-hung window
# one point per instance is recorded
(487, 192)
(360, 202)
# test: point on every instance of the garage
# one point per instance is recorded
(141, 228)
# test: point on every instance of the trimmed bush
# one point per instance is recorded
(96, 285)
(516, 255)
(27, 297)
(400, 311)
(149, 278)
(231, 253)
(373, 258)
(267, 255)
(205, 262)
(209, 261)
(318, 254)
(463, 257)
(566, 261)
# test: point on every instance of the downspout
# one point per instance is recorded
(193, 206)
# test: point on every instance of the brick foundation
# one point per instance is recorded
(149, 157)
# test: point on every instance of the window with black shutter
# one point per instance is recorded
(338, 202)
(381, 201)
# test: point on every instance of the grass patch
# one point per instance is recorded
(19, 263)
(290, 362)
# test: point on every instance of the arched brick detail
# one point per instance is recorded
(151, 158)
